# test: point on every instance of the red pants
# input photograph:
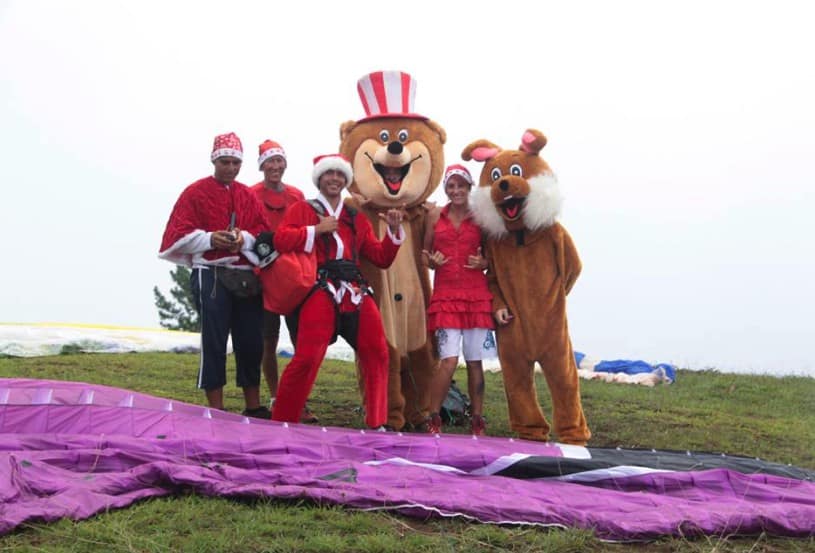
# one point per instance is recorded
(315, 330)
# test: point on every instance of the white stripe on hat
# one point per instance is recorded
(226, 152)
(271, 152)
(392, 81)
(370, 95)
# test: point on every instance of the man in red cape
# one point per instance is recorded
(212, 229)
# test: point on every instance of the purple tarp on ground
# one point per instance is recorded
(73, 450)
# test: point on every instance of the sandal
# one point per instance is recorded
(433, 424)
(478, 425)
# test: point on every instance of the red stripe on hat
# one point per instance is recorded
(378, 84)
(365, 105)
(405, 93)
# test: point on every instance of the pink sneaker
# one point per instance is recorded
(478, 425)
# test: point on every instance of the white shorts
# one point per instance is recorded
(479, 343)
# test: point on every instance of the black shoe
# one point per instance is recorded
(261, 412)
(307, 416)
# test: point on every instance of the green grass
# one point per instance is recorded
(762, 416)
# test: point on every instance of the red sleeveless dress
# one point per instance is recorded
(460, 297)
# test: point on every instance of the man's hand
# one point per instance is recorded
(326, 224)
(394, 218)
(503, 316)
(477, 261)
(230, 240)
(435, 259)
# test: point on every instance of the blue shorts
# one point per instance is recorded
(222, 314)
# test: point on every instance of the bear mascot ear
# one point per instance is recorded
(532, 142)
(438, 130)
(346, 128)
(480, 150)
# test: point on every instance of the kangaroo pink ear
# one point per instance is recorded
(482, 153)
(526, 141)
(532, 141)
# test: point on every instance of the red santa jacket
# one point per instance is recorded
(206, 206)
(354, 238)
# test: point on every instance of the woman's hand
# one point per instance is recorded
(503, 316)
(477, 261)
(435, 259)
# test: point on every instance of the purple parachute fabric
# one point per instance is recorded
(73, 449)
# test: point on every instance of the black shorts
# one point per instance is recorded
(271, 325)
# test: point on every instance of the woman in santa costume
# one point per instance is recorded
(341, 304)
(212, 229)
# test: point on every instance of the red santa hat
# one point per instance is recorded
(459, 170)
(331, 161)
(387, 94)
(227, 145)
(268, 149)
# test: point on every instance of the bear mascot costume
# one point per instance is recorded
(398, 159)
(532, 266)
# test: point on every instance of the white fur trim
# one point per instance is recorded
(271, 152)
(484, 212)
(543, 205)
(248, 248)
(332, 162)
(397, 240)
(226, 152)
(184, 250)
(310, 233)
(541, 208)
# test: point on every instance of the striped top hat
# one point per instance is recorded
(387, 94)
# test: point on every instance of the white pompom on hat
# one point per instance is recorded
(269, 149)
(227, 145)
(331, 161)
(459, 170)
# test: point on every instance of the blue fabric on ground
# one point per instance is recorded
(630, 367)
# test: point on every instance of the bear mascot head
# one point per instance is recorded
(398, 158)
(533, 265)
(397, 155)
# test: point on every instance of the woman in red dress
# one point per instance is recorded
(460, 311)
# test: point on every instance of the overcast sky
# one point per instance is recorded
(682, 133)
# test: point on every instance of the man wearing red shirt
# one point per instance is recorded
(276, 197)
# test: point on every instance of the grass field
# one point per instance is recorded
(768, 417)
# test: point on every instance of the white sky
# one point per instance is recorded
(682, 134)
